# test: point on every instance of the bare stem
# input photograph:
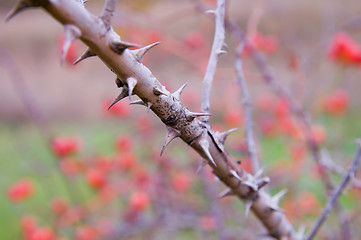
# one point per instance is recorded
(247, 105)
(336, 193)
(218, 43)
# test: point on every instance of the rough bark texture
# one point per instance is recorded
(139, 80)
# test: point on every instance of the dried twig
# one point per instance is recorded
(218, 43)
(336, 193)
(247, 105)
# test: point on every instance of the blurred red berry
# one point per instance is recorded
(43, 233)
(281, 108)
(233, 118)
(144, 124)
(337, 103)
(181, 182)
(308, 203)
(28, 225)
(20, 190)
(66, 145)
(59, 205)
(95, 178)
(70, 166)
(207, 222)
(266, 44)
(86, 233)
(72, 53)
(194, 39)
(344, 49)
(127, 160)
(124, 143)
(318, 134)
(139, 201)
(266, 102)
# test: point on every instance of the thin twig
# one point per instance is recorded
(247, 105)
(337, 192)
(218, 43)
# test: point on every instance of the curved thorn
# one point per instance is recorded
(88, 53)
(222, 136)
(247, 204)
(19, 7)
(263, 182)
(119, 46)
(122, 95)
(225, 193)
(131, 82)
(192, 115)
(234, 174)
(204, 144)
(158, 92)
(275, 200)
(71, 33)
(171, 134)
(139, 102)
(139, 53)
(177, 93)
(211, 12)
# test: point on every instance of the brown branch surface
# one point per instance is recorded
(180, 122)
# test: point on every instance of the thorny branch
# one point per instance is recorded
(247, 105)
(136, 79)
(336, 193)
(218, 44)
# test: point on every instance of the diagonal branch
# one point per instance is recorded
(218, 43)
(137, 79)
(336, 193)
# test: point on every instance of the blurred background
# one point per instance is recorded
(72, 169)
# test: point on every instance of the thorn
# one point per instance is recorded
(21, 6)
(192, 115)
(131, 82)
(122, 95)
(220, 52)
(263, 182)
(222, 136)
(88, 53)
(211, 12)
(247, 207)
(71, 33)
(201, 165)
(119, 82)
(250, 182)
(301, 232)
(225, 193)
(158, 92)
(274, 201)
(171, 134)
(204, 144)
(177, 93)
(139, 53)
(259, 173)
(119, 46)
(234, 174)
(140, 102)
(149, 105)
